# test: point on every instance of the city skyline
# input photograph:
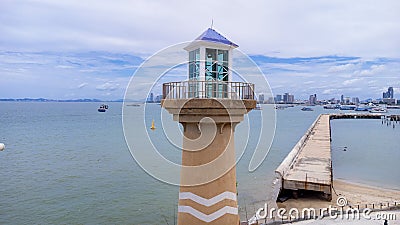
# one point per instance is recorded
(156, 97)
(388, 97)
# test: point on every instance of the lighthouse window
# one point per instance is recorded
(194, 64)
(216, 64)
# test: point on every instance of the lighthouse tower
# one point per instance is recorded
(209, 105)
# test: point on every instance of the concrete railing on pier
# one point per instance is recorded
(288, 162)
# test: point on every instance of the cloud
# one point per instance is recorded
(329, 91)
(342, 68)
(108, 86)
(374, 69)
(351, 81)
(82, 85)
(105, 75)
(280, 28)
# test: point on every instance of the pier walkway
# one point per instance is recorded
(308, 167)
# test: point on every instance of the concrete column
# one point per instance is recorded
(230, 63)
(202, 72)
(208, 194)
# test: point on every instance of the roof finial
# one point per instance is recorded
(212, 22)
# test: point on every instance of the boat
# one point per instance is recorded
(361, 108)
(280, 107)
(378, 110)
(152, 125)
(307, 109)
(348, 107)
(136, 105)
(102, 108)
(330, 106)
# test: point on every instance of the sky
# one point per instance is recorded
(69, 49)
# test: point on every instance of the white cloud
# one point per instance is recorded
(82, 85)
(329, 91)
(108, 86)
(282, 28)
(374, 69)
(351, 81)
(342, 68)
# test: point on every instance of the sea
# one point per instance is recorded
(66, 163)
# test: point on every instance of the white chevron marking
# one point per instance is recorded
(208, 218)
(208, 202)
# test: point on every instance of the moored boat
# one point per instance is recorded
(347, 107)
(307, 109)
(102, 108)
(362, 108)
(330, 106)
(378, 110)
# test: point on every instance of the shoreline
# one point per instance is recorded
(356, 194)
(367, 184)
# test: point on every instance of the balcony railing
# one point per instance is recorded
(208, 89)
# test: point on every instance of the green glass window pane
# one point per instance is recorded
(191, 69)
(197, 52)
(211, 54)
(222, 55)
(194, 55)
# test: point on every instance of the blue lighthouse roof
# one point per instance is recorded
(214, 36)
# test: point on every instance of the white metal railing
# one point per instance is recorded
(208, 89)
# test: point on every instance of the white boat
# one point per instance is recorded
(378, 110)
(331, 106)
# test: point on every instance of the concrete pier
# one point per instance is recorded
(308, 167)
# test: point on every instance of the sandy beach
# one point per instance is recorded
(357, 195)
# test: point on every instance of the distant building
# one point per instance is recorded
(342, 99)
(388, 97)
(313, 99)
(355, 100)
(290, 99)
(278, 98)
(261, 98)
(158, 98)
(389, 93)
(346, 100)
(150, 98)
(333, 101)
(270, 100)
(389, 101)
(285, 97)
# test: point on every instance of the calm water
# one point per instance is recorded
(65, 163)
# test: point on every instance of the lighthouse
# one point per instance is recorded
(209, 105)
